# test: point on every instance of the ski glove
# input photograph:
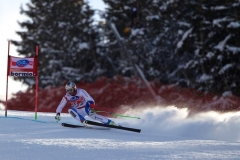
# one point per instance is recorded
(58, 117)
(91, 111)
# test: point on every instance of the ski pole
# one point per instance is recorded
(119, 115)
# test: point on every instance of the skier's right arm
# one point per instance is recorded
(61, 105)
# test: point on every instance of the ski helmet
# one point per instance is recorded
(71, 87)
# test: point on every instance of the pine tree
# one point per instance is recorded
(63, 31)
(211, 44)
(128, 18)
(116, 13)
(190, 43)
(163, 25)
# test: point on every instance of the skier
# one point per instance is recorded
(82, 105)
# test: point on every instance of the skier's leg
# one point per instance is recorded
(98, 117)
(75, 113)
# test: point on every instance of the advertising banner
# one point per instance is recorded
(22, 67)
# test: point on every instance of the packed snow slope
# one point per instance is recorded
(167, 133)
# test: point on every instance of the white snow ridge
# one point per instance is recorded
(167, 133)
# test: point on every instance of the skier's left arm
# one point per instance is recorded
(90, 102)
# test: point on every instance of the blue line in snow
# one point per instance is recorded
(24, 119)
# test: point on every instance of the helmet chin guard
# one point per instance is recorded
(71, 88)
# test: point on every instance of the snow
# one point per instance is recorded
(216, 22)
(167, 133)
(224, 68)
(219, 8)
(204, 78)
(222, 44)
(233, 25)
(137, 31)
(233, 49)
(210, 55)
(152, 17)
(180, 43)
(83, 45)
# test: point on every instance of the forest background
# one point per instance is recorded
(153, 52)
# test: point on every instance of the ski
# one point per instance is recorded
(102, 125)
(111, 126)
(71, 125)
(87, 127)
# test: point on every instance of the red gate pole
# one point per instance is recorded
(36, 91)
(6, 107)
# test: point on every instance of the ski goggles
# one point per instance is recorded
(71, 90)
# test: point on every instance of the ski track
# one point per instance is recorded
(23, 138)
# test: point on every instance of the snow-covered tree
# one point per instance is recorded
(209, 47)
(190, 43)
(63, 31)
(128, 21)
